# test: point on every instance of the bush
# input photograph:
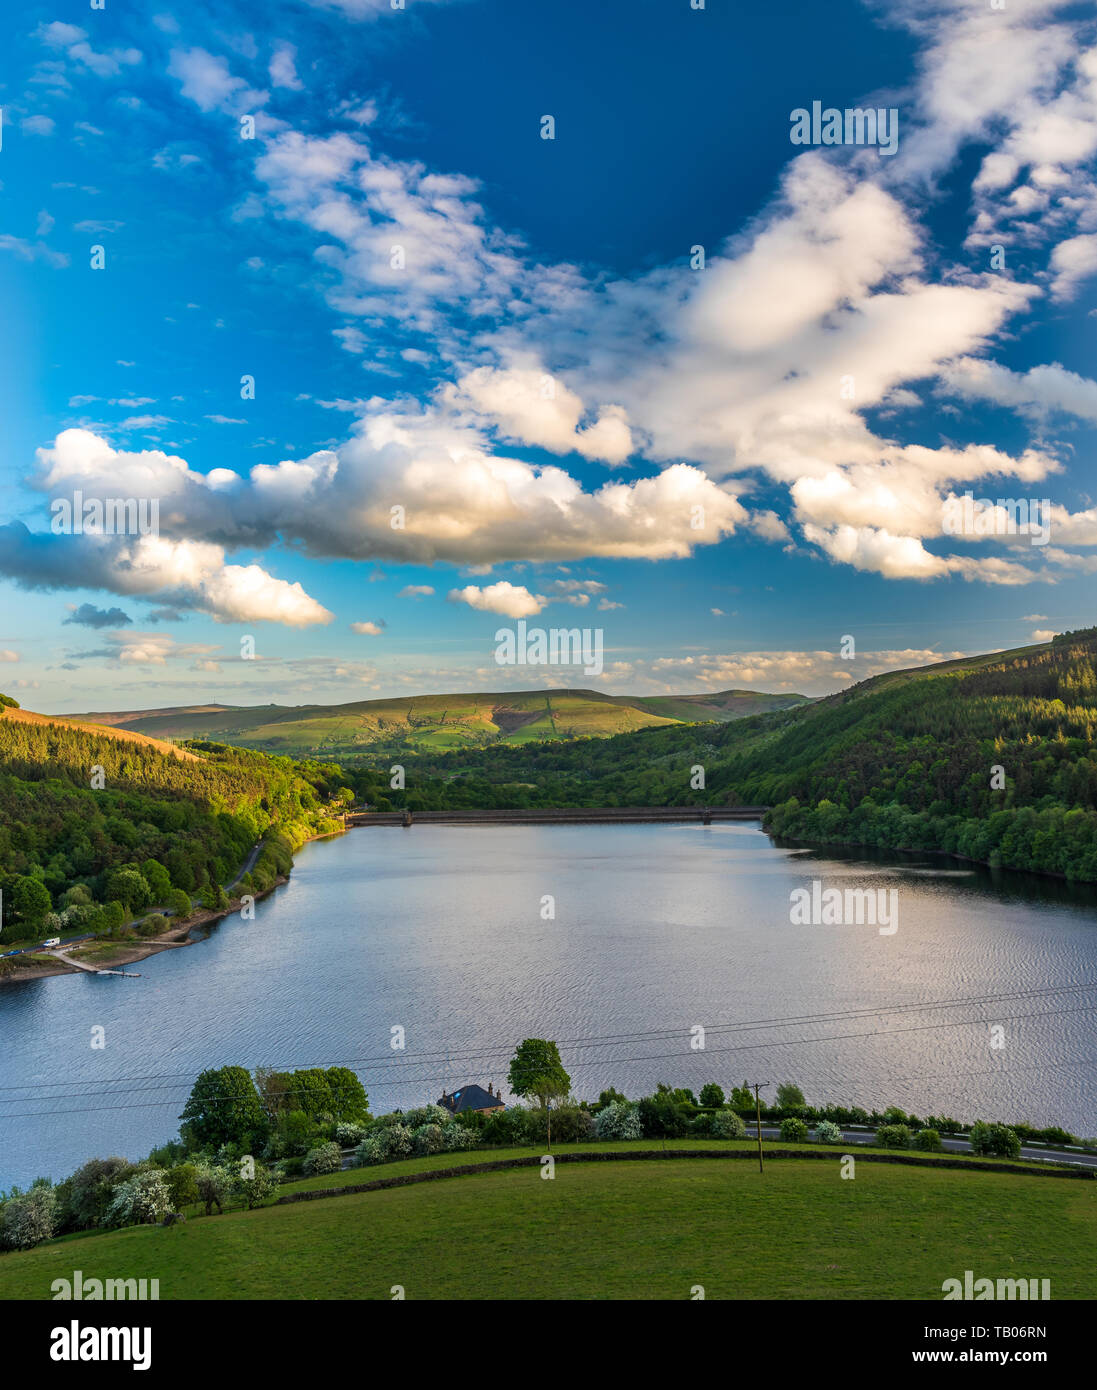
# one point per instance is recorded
(506, 1127)
(893, 1137)
(459, 1138)
(182, 1183)
(726, 1124)
(27, 1218)
(428, 1139)
(827, 1132)
(384, 1143)
(350, 1135)
(928, 1140)
(618, 1120)
(255, 1190)
(661, 1117)
(152, 925)
(145, 1197)
(712, 1095)
(178, 903)
(793, 1130)
(999, 1140)
(325, 1158)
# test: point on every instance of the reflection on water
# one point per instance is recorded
(657, 928)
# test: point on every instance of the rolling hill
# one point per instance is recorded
(438, 723)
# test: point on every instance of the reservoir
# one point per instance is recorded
(629, 945)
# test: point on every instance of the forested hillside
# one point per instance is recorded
(95, 826)
(992, 757)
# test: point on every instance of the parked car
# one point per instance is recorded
(53, 941)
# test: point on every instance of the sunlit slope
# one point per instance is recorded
(439, 723)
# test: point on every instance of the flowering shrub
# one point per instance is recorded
(325, 1158)
(28, 1217)
(144, 1197)
(827, 1132)
(618, 1120)
(429, 1139)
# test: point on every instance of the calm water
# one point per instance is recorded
(438, 930)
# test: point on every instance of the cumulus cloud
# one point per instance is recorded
(528, 406)
(415, 591)
(511, 600)
(454, 500)
(186, 574)
(369, 629)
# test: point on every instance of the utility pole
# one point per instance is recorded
(758, 1117)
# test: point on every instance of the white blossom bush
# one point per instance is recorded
(350, 1135)
(618, 1120)
(457, 1138)
(384, 1143)
(325, 1158)
(142, 1198)
(28, 1218)
(371, 1150)
(425, 1115)
(726, 1124)
(429, 1139)
(827, 1132)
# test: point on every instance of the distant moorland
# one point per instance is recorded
(439, 723)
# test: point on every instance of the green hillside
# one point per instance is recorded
(903, 760)
(439, 723)
(83, 854)
(638, 1229)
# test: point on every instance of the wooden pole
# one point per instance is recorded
(758, 1118)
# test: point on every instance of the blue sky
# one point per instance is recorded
(726, 469)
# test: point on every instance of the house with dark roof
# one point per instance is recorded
(472, 1097)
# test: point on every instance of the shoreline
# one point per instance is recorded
(129, 952)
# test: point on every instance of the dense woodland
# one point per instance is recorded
(993, 758)
(77, 856)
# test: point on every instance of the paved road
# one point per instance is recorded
(960, 1146)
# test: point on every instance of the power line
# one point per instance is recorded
(604, 1040)
(614, 1061)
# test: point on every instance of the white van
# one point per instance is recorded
(53, 941)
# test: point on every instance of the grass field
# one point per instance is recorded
(636, 1230)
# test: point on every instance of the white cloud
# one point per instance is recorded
(283, 72)
(511, 600)
(528, 406)
(368, 629)
(1072, 261)
(415, 591)
(460, 503)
